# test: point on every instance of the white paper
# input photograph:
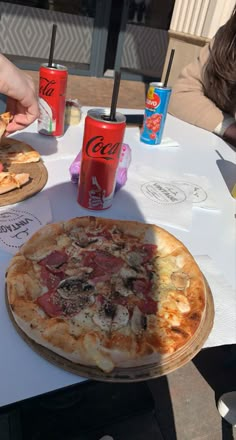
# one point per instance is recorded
(202, 192)
(158, 198)
(224, 297)
(18, 222)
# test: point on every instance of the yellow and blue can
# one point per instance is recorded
(156, 106)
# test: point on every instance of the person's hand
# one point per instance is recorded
(21, 95)
(230, 134)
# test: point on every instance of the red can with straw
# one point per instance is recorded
(52, 99)
(102, 143)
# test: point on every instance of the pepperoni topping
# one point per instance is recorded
(148, 252)
(148, 306)
(142, 286)
(45, 301)
(49, 279)
(108, 262)
(102, 263)
(55, 259)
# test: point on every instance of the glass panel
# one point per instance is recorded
(26, 27)
(153, 13)
(146, 37)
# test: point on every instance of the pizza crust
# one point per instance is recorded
(179, 290)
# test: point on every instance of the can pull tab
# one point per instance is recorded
(107, 118)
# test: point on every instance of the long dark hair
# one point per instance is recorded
(219, 77)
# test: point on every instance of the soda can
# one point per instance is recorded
(52, 99)
(155, 113)
(102, 144)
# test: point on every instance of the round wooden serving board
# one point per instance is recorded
(38, 178)
(133, 374)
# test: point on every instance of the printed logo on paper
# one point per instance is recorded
(163, 193)
(198, 194)
(16, 227)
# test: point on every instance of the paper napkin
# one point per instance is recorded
(18, 222)
(159, 198)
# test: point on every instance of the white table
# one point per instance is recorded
(23, 373)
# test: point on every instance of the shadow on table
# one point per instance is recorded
(45, 145)
(228, 172)
(218, 367)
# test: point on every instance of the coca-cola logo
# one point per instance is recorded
(96, 147)
(46, 87)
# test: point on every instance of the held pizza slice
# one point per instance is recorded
(10, 181)
(5, 118)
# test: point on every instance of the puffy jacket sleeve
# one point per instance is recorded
(188, 101)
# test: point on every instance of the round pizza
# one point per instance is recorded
(106, 293)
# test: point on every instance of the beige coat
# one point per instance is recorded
(189, 103)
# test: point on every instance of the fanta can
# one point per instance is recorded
(155, 113)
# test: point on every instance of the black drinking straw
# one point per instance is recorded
(52, 45)
(115, 93)
(169, 67)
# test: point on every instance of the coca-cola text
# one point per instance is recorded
(106, 151)
(46, 88)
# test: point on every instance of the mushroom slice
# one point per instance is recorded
(111, 317)
(126, 273)
(121, 317)
(73, 287)
(134, 259)
(121, 288)
(138, 321)
(180, 280)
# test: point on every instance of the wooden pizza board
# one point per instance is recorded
(38, 178)
(133, 374)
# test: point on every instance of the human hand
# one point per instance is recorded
(21, 95)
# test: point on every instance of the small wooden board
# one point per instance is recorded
(38, 179)
(133, 374)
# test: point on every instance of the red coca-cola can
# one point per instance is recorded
(101, 149)
(52, 99)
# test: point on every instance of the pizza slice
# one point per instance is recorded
(13, 152)
(10, 181)
(5, 118)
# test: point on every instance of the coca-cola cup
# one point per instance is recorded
(102, 144)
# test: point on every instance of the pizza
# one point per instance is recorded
(10, 181)
(106, 293)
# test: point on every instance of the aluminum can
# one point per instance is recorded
(155, 113)
(52, 99)
(102, 144)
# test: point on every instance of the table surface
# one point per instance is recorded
(23, 373)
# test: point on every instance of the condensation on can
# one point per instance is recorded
(155, 112)
(52, 99)
(101, 150)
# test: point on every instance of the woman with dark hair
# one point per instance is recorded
(205, 92)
